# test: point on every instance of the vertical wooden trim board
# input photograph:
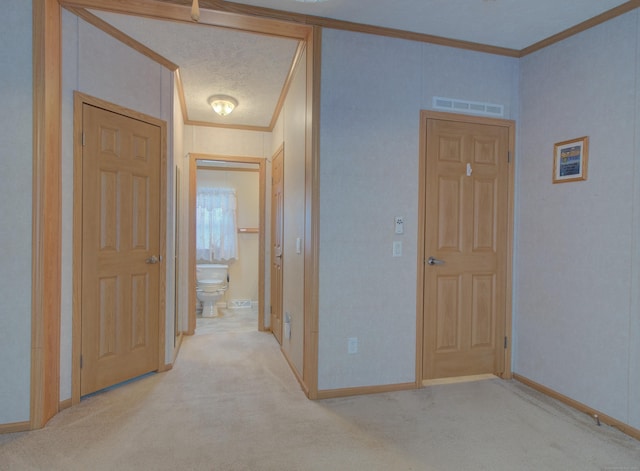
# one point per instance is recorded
(421, 256)
(191, 295)
(76, 328)
(47, 213)
(312, 215)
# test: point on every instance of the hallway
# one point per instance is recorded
(232, 403)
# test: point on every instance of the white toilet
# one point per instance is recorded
(211, 284)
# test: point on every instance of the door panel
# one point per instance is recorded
(449, 229)
(448, 313)
(120, 232)
(466, 231)
(277, 228)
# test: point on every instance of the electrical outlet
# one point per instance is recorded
(352, 345)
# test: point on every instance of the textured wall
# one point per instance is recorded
(15, 211)
(577, 286)
(373, 89)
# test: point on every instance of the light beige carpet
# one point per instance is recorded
(229, 320)
(231, 403)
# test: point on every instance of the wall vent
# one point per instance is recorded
(473, 107)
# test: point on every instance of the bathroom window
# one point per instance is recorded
(216, 227)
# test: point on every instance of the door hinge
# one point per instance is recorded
(81, 362)
(83, 139)
(506, 342)
(509, 157)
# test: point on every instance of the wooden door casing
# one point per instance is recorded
(277, 234)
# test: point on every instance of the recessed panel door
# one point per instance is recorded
(465, 248)
(120, 248)
(277, 227)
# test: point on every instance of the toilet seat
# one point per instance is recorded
(211, 285)
(215, 281)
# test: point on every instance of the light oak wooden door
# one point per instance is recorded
(277, 226)
(120, 248)
(467, 191)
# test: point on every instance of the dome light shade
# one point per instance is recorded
(223, 104)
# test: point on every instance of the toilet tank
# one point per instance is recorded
(211, 272)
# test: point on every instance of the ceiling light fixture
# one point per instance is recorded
(223, 104)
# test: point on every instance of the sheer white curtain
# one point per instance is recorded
(216, 228)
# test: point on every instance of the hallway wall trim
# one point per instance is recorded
(15, 427)
(358, 391)
(47, 213)
(595, 414)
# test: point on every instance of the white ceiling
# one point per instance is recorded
(253, 68)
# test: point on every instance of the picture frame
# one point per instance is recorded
(570, 160)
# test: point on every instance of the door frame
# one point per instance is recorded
(193, 170)
(79, 100)
(278, 335)
(422, 195)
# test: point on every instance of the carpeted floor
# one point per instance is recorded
(231, 403)
(229, 320)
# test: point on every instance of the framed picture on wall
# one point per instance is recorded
(570, 160)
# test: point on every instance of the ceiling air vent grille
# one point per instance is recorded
(462, 106)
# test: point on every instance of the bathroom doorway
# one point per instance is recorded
(246, 271)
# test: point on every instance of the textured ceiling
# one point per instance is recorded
(253, 68)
